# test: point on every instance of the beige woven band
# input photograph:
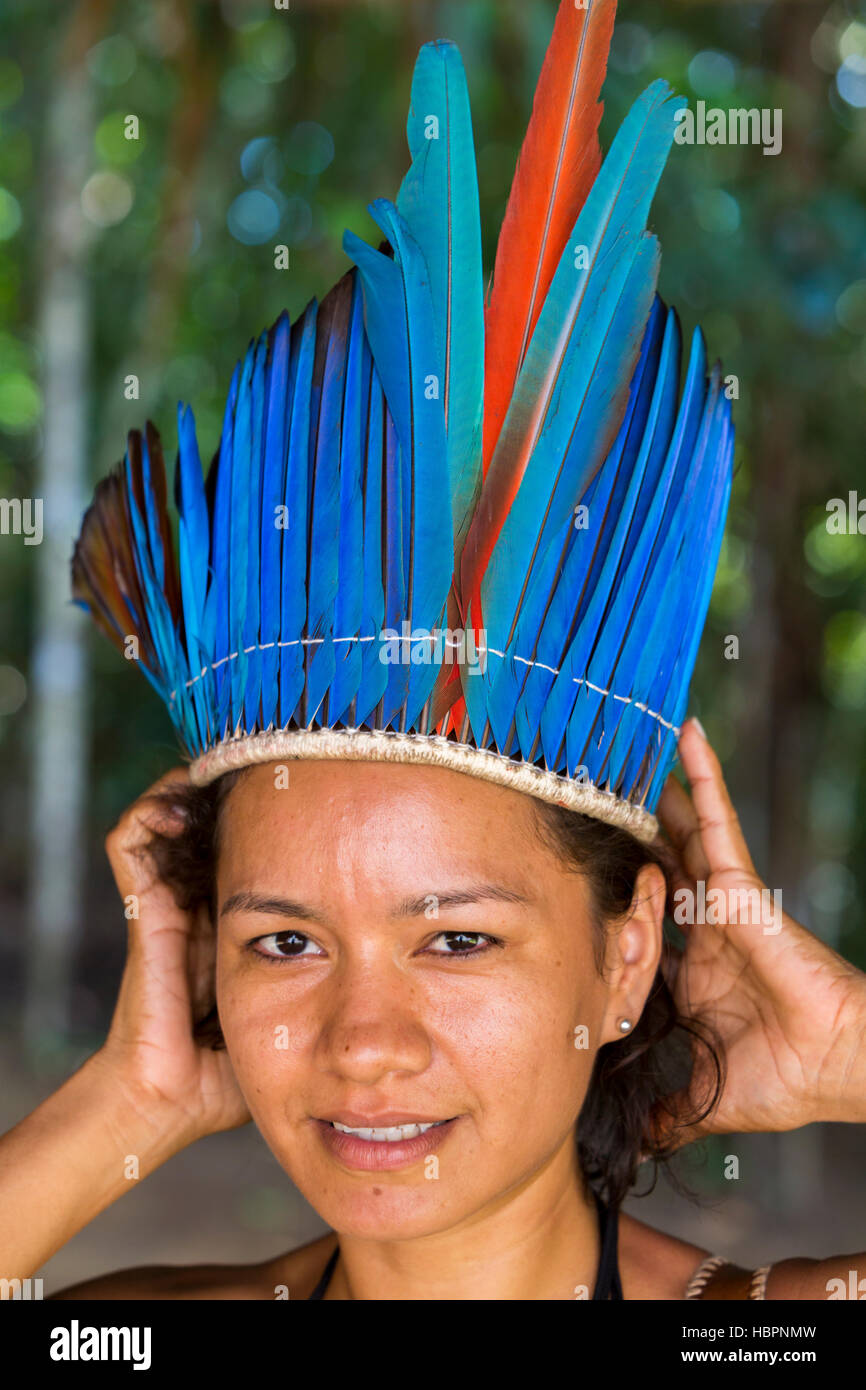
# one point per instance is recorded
(364, 745)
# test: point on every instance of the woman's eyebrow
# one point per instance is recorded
(409, 907)
(458, 897)
(277, 907)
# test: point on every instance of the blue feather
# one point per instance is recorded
(621, 610)
(561, 587)
(172, 669)
(152, 517)
(711, 505)
(395, 565)
(658, 616)
(218, 601)
(567, 693)
(253, 468)
(620, 312)
(324, 524)
(196, 652)
(238, 538)
(350, 569)
(293, 605)
(374, 675)
(193, 548)
(439, 202)
(278, 406)
(402, 287)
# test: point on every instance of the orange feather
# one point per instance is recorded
(557, 167)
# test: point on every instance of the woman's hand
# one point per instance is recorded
(148, 1092)
(167, 984)
(790, 1011)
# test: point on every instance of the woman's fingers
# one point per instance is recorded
(155, 1002)
(150, 806)
(127, 841)
(722, 840)
(677, 815)
(158, 930)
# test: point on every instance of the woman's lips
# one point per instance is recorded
(382, 1155)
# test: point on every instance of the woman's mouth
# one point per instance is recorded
(383, 1147)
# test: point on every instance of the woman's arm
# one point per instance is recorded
(840, 1277)
(149, 1091)
(790, 1011)
(81, 1149)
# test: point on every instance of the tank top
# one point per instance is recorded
(607, 1282)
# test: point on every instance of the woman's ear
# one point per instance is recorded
(633, 953)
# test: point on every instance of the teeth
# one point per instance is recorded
(392, 1135)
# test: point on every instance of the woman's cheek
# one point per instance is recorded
(538, 1046)
(514, 1036)
(265, 1042)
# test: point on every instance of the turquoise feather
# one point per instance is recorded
(439, 202)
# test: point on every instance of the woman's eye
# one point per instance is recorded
(283, 945)
(462, 943)
(289, 945)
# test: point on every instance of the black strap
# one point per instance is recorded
(319, 1290)
(607, 1283)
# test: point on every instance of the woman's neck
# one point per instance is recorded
(538, 1241)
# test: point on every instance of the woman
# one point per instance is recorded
(420, 897)
(344, 998)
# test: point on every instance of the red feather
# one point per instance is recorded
(557, 167)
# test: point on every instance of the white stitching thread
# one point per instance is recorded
(314, 641)
(703, 1274)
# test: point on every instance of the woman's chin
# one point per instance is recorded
(384, 1209)
(376, 1188)
(401, 1204)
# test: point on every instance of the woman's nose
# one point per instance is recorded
(373, 1023)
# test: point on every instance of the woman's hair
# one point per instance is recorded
(634, 1078)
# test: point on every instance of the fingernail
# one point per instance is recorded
(699, 726)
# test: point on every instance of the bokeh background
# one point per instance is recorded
(153, 257)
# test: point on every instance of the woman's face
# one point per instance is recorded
(396, 945)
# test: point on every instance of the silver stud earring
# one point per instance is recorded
(625, 1025)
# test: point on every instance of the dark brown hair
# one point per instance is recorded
(633, 1079)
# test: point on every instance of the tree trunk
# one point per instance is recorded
(58, 674)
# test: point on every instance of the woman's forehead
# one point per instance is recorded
(399, 827)
(372, 793)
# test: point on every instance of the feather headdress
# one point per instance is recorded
(477, 534)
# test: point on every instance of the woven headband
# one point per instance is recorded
(443, 527)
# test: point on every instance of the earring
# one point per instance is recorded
(625, 1025)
